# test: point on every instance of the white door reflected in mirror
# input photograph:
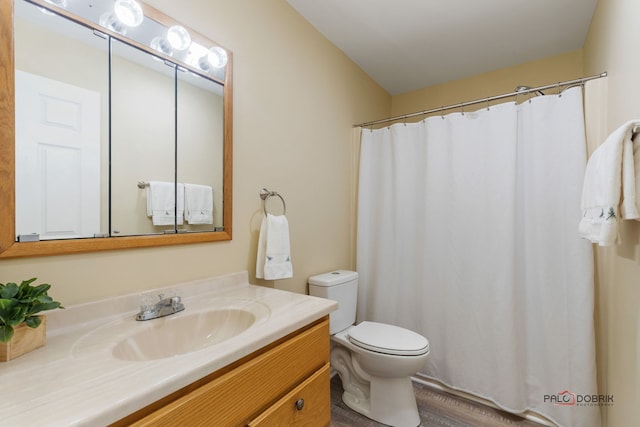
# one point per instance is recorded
(57, 159)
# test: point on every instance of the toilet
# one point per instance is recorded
(375, 361)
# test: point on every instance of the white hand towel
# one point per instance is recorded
(161, 203)
(611, 187)
(274, 253)
(198, 204)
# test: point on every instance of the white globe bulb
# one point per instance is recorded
(217, 57)
(129, 12)
(178, 37)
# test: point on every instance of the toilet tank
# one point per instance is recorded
(342, 287)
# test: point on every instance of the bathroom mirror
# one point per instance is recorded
(184, 138)
(142, 149)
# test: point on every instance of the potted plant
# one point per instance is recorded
(19, 306)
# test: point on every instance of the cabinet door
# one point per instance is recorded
(309, 404)
(143, 143)
(243, 393)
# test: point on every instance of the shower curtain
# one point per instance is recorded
(467, 234)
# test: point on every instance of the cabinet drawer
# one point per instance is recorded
(309, 404)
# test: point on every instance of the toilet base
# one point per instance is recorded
(392, 402)
(377, 385)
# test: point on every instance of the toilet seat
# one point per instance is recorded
(388, 339)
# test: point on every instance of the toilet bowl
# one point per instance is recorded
(374, 360)
(378, 384)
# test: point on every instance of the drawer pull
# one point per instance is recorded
(299, 404)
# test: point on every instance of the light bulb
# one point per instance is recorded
(217, 57)
(203, 63)
(162, 45)
(110, 22)
(178, 37)
(128, 12)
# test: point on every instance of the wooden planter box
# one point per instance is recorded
(24, 340)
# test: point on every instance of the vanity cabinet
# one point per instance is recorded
(285, 383)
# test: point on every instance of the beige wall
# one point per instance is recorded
(545, 71)
(612, 45)
(296, 97)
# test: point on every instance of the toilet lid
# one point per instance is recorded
(388, 339)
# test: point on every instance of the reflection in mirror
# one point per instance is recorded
(60, 126)
(142, 139)
(75, 70)
(200, 148)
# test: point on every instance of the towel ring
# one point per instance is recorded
(265, 194)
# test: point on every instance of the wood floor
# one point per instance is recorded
(438, 409)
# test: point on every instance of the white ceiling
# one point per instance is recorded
(406, 45)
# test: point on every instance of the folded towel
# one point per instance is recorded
(161, 203)
(274, 254)
(198, 204)
(611, 186)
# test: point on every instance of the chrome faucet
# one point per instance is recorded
(164, 307)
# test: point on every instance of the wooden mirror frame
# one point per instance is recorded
(9, 248)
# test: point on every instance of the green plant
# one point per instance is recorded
(20, 304)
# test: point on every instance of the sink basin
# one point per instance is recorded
(169, 336)
(181, 333)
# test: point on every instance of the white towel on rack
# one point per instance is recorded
(274, 253)
(161, 202)
(198, 204)
(611, 187)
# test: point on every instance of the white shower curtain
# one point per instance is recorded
(467, 234)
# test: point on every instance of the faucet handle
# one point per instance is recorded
(176, 301)
(146, 302)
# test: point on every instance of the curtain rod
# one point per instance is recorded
(479, 101)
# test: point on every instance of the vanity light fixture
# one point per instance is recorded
(129, 12)
(178, 37)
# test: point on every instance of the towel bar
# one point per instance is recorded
(265, 194)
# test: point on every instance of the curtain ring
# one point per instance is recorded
(442, 112)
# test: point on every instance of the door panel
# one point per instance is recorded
(57, 158)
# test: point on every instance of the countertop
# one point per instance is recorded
(74, 380)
